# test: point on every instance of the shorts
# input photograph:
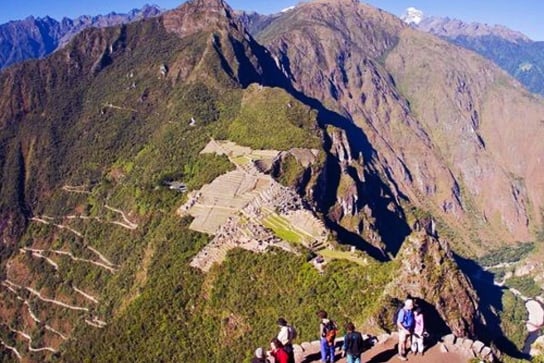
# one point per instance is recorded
(403, 336)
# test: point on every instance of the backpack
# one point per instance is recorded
(329, 332)
(292, 333)
(354, 343)
(407, 318)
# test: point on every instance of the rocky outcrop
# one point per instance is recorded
(428, 273)
(241, 59)
(198, 15)
(358, 204)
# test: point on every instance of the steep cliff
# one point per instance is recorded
(353, 58)
(429, 274)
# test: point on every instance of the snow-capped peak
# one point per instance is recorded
(287, 9)
(413, 16)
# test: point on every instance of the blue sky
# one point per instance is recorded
(521, 15)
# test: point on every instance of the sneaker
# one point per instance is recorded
(401, 357)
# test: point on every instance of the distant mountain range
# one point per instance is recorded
(513, 51)
(517, 54)
(34, 38)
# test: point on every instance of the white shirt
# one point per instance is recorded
(283, 335)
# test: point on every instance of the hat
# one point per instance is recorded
(282, 322)
(409, 304)
(259, 353)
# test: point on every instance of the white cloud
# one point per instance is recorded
(413, 16)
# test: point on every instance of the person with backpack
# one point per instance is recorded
(419, 332)
(277, 352)
(327, 332)
(353, 344)
(286, 335)
(405, 324)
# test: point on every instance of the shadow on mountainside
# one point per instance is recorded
(434, 324)
(373, 192)
(490, 299)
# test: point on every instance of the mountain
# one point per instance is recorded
(255, 22)
(167, 184)
(34, 38)
(511, 50)
(454, 28)
(430, 123)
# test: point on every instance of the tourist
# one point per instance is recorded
(259, 356)
(405, 324)
(286, 335)
(277, 352)
(419, 332)
(353, 344)
(327, 332)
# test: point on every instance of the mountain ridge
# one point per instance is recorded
(330, 66)
(511, 50)
(452, 28)
(33, 38)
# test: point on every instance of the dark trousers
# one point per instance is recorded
(290, 352)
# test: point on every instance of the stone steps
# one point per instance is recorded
(383, 352)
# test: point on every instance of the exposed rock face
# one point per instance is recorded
(429, 273)
(198, 15)
(485, 126)
(242, 58)
(33, 38)
(355, 208)
(462, 173)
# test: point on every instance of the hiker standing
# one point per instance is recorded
(419, 329)
(259, 356)
(286, 335)
(327, 332)
(353, 344)
(405, 324)
(277, 352)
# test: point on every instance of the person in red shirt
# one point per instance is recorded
(277, 351)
